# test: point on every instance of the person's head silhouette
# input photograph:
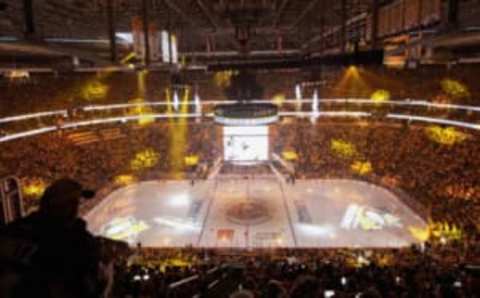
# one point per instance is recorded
(62, 198)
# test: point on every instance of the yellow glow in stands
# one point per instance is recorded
(145, 120)
(445, 136)
(362, 168)
(437, 231)
(145, 159)
(289, 155)
(139, 108)
(455, 88)
(33, 187)
(95, 91)
(380, 96)
(223, 78)
(279, 99)
(144, 111)
(192, 160)
(124, 180)
(445, 230)
(177, 262)
(421, 234)
(342, 148)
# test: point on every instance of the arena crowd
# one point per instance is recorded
(441, 176)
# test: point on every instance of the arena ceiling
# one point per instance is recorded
(80, 27)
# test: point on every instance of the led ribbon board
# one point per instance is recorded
(246, 114)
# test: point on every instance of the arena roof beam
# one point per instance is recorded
(111, 31)
(145, 17)
(321, 34)
(179, 11)
(279, 13)
(304, 13)
(222, 30)
(343, 28)
(375, 6)
(29, 18)
(252, 53)
(212, 20)
(48, 49)
(82, 54)
(208, 14)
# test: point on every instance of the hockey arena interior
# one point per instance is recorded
(239, 148)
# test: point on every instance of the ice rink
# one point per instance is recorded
(260, 212)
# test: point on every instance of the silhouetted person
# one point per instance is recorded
(60, 257)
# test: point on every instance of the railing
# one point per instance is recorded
(34, 115)
(360, 101)
(301, 114)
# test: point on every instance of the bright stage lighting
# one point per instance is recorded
(198, 104)
(298, 92)
(180, 200)
(315, 102)
(176, 101)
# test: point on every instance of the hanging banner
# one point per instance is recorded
(154, 41)
(165, 46)
(138, 37)
(173, 44)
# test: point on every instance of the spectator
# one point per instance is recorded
(63, 257)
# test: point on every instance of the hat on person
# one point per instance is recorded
(63, 192)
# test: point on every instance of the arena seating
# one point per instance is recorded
(441, 177)
(439, 271)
